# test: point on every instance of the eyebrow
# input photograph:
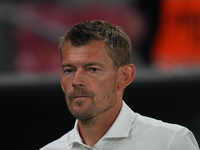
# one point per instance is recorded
(66, 65)
(93, 64)
(85, 65)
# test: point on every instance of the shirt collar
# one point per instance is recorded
(76, 136)
(119, 129)
(123, 123)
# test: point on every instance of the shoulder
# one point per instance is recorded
(168, 134)
(147, 124)
(154, 124)
(60, 144)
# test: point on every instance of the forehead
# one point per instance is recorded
(95, 51)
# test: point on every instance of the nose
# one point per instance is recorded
(78, 78)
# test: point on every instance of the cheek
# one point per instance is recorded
(66, 85)
(108, 87)
(106, 95)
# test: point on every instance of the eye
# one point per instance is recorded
(93, 69)
(68, 70)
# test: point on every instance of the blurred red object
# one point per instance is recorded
(177, 43)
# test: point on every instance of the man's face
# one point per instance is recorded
(88, 80)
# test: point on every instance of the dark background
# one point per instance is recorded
(34, 115)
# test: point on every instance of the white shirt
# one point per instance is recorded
(132, 131)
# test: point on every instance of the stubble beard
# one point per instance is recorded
(85, 115)
(80, 114)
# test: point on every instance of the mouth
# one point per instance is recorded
(79, 97)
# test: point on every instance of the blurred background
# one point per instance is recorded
(166, 52)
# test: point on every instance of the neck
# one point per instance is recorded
(92, 130)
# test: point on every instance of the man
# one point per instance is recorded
(96, 69)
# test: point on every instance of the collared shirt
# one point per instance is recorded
(132, 131)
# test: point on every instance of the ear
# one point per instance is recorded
(126, 75)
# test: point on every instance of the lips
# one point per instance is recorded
(79, 97)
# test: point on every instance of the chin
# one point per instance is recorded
(82, 117)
